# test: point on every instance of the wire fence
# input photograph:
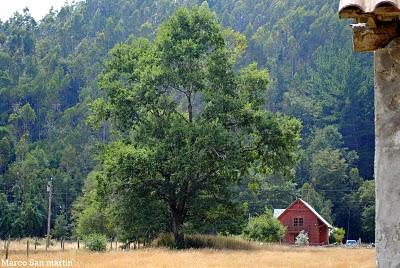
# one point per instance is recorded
(31, 246)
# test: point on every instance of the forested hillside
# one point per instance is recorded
(49, 77)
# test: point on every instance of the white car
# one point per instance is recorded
(351, 244)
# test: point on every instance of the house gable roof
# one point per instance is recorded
(310, 208)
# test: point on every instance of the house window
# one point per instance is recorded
(298, 222)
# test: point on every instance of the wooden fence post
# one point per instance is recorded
(27, 248)
(78, 243)
(36, 241)
(7, 247)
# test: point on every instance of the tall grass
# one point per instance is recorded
(282, 257)
(205, 241)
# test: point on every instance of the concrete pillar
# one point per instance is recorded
(387, 154)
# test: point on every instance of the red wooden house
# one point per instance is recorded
(301, 216)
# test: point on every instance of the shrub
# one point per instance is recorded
(264, 228)
(164, 240)
(92, 220)
(302, 239)
(96, 242)
(204, 241)
(338, 235)
(217, 242)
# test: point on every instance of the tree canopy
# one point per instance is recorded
(193, 125)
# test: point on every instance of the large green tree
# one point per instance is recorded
(190, 125)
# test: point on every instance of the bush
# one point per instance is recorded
(96, 242)
(302, 239)
(217, 242)
(338, 235)
(92, 220)
(204, 241)
(264, 228)
(164, 240)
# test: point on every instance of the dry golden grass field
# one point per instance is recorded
(268, 256)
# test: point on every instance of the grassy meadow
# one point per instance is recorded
(261, 256)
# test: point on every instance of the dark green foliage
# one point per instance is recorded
(33, 219)
(48, 72)
(60, 229)
(264, 228)
(225, 216)
(317, 201)
(5, 217)
(260, 192)
(364, 200)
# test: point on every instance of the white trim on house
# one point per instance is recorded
(316, 213)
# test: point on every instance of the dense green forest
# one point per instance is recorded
(51, 81)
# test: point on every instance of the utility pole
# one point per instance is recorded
(50, 191)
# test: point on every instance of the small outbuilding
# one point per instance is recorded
(301, 216)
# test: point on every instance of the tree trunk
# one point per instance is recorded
(177, 223)
(190, 107)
